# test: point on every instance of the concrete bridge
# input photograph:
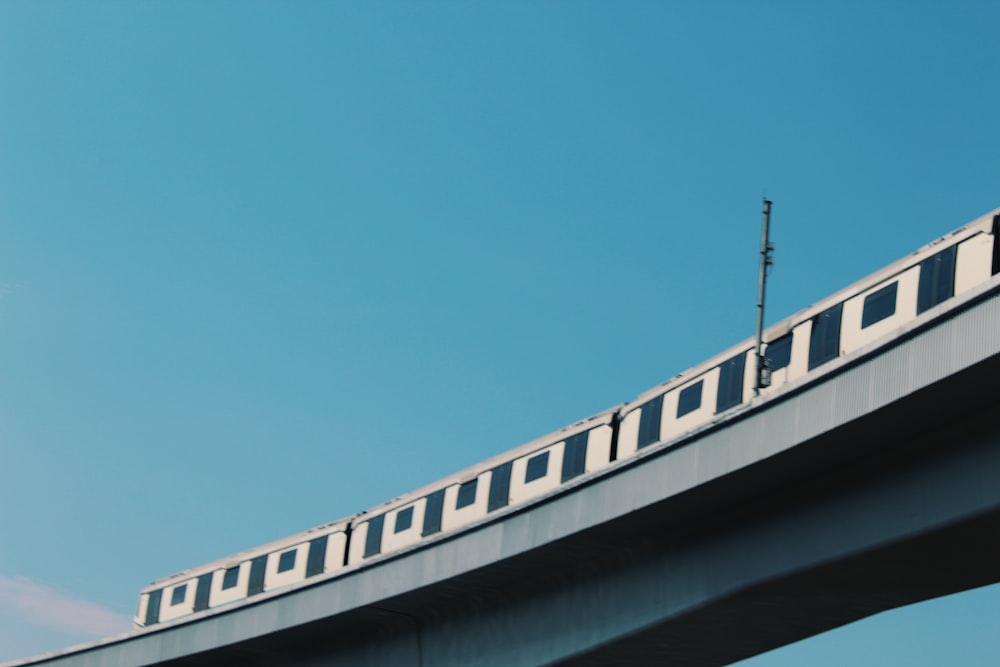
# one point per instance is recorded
(873, 486)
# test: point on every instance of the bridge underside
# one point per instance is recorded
(896, 507)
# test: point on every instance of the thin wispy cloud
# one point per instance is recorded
(41, 605)
(7, 288)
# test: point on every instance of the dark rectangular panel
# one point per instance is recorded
(616, 422)
(373, 540)
(404, 519)
(256, 584)
(824, 342)
(730, 383)
(432, 513)
(879, 305)
(575, 456)
(202, 591)
(779, 352)
(153, 607)
(937, 279)
(689, 399)
(317, 556)
(231, 577)
(499, 487)
(466, 494)
(649, 422)
(537, 467)
(286, 561)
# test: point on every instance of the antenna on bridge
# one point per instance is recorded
(762, 377)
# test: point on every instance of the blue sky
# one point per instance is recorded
(264, 265)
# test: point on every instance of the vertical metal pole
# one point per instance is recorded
(762, 377)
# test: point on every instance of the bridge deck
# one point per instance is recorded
(870, 487)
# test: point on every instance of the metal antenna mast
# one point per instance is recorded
(762, 378)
